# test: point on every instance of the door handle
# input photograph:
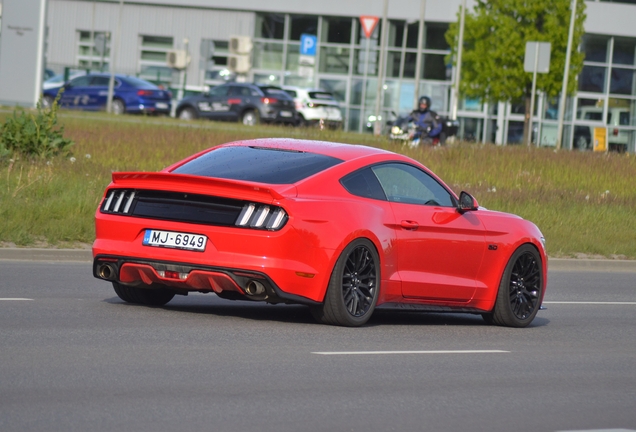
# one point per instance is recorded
(409, 225)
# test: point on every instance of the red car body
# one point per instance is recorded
(431, 256)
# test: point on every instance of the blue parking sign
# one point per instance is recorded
(308, 45)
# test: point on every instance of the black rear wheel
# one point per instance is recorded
(519, 296)
(145, 296)
(353, 288)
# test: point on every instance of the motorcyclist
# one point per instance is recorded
(428, 127)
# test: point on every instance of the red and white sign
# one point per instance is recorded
(368, 24)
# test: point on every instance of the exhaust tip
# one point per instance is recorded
(254, 288)
(106, 271)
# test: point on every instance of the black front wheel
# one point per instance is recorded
(519, 296)
(353, 287)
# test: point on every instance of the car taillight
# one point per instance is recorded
(234, 101)
(261, 216)
(144, 92)
(268, 100)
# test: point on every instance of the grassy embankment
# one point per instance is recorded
(584, 203)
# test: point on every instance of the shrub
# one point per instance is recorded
(34, 134)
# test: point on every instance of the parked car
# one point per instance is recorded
(617, 139)
(130, 95)
(340, 228)
(248, 103)
(316, 107)
(57, 81)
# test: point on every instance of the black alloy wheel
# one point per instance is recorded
(520, 290)
(353, 287)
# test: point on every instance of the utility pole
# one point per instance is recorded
(113, 57)
(458, 71)
(418, 58)
(566, 74)
(377, 126)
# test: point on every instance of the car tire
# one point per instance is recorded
(519, 295)
(250, 118)
(353, 287)
(145, 296)
(118, 107)
(47, 101)
(187, 113)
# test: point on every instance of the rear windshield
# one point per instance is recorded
(321, 95)
(139, 83)
(276, 92)
(258, 164)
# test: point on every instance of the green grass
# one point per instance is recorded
(584, 203)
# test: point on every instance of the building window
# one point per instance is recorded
(336, 30)
(93, 50)
(300, 25)
(152, 59)
(270, 26)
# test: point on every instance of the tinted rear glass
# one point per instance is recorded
(320, 95)
(274, 92)
(258, 164)
(139, 83)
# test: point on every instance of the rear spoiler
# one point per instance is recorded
(203, 185)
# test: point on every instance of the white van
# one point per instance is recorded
(617, 139)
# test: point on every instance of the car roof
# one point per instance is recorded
(341, 151)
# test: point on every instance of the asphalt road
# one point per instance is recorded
(73, 357)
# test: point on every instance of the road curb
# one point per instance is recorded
(600, 265)
(85, 255)
(44, 254)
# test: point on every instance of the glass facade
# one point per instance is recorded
(93, 50)
(346, 63)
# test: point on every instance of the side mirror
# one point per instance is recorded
(467, 203)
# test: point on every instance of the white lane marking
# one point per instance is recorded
(12, 299)
(601, 430)
(411, 352)
(589, 303)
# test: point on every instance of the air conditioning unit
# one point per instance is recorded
(239, 63)
(177, 59)
(240, 45)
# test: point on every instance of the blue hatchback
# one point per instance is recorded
(131, 95)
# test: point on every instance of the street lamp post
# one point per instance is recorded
(458, 71)
(566, 73)
(377, 126)
(113, 59)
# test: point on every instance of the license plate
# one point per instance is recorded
(285, 114)
(175, 240)
(161, 105)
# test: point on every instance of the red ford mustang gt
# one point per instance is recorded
(341, 228)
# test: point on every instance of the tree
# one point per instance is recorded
(495, 36)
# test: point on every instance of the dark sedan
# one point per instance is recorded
(130, 95)
(248, 103)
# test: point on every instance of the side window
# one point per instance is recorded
(219, 91)
(363, 183)
(408, 184)
(255, 92)
(82, 81)
(238, 91)
(100, 81)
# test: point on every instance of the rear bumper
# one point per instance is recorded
(228, 283)
(294, 268)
